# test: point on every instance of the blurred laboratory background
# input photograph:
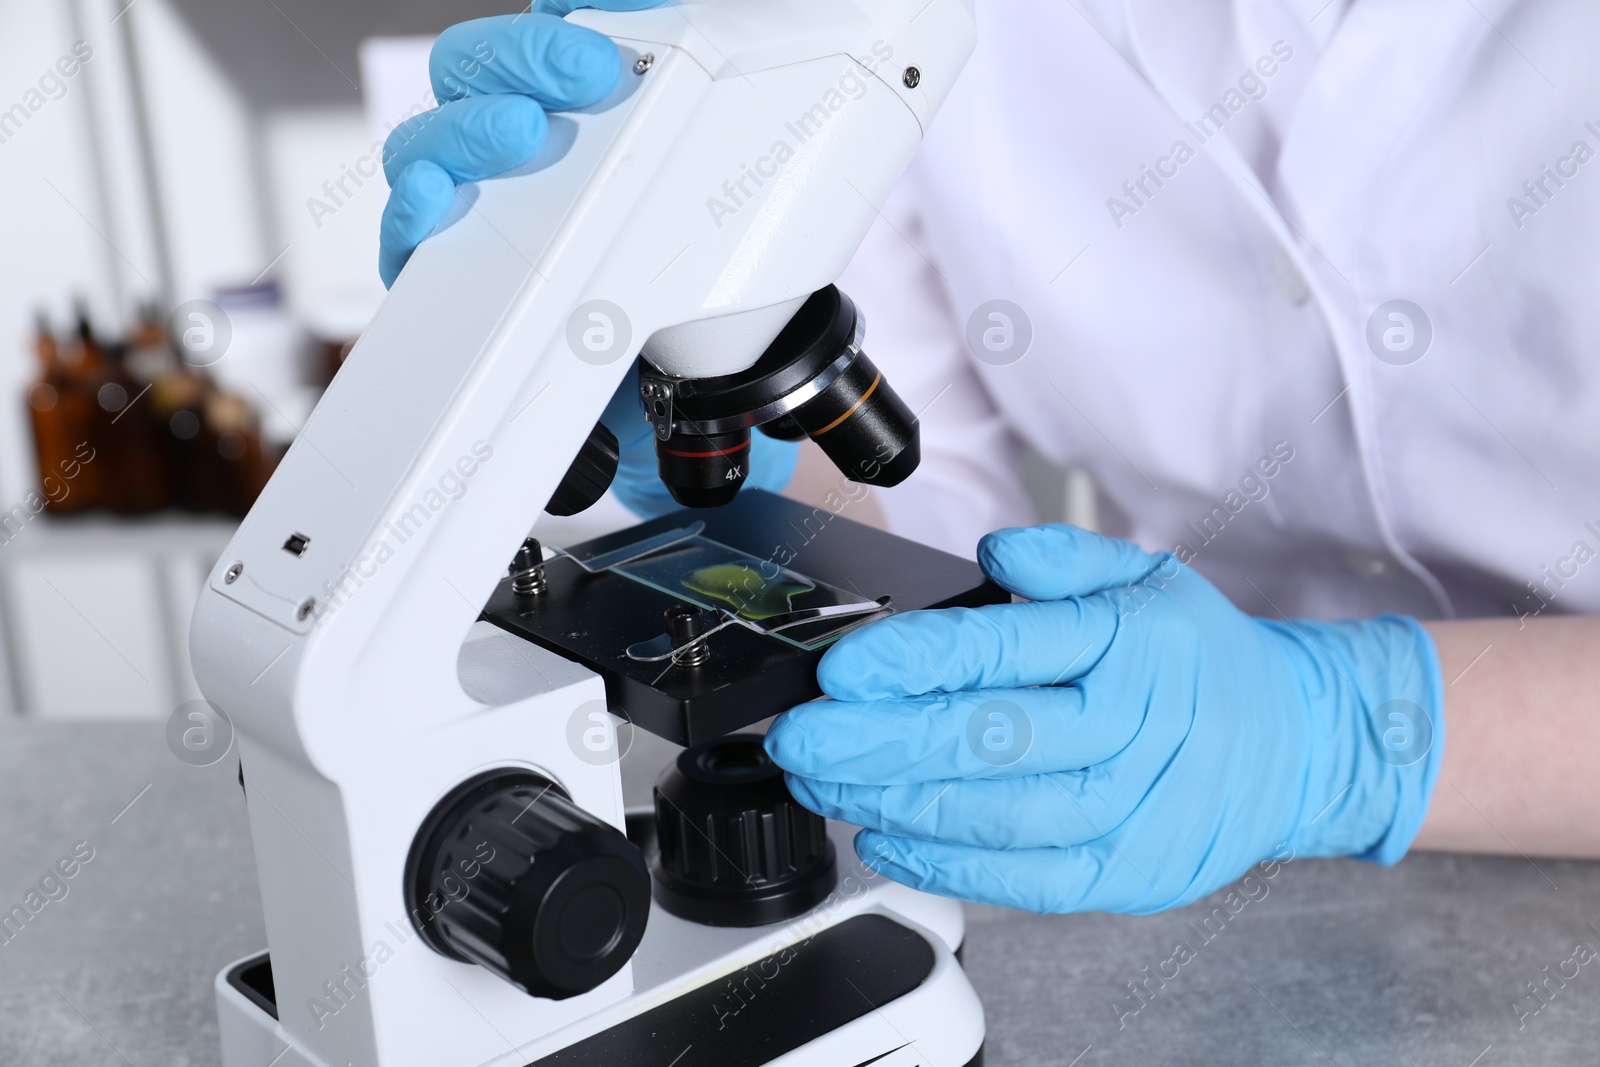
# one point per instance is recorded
(171, 167)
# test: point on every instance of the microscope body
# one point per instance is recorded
(733, 173)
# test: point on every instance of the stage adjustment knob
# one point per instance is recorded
(734, 847)
(507, 872)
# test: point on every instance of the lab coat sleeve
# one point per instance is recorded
(970, 480)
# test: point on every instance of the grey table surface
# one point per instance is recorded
(1332, 962)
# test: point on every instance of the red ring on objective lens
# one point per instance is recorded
(707, 455)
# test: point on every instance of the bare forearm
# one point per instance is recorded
(1521, 770)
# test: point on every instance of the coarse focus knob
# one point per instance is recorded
(507, 872)
(735, 847)
(590, 475)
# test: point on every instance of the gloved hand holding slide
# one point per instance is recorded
(1127, 740)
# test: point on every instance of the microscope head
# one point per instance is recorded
(812, 381)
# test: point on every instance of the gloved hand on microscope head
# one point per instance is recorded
(495, 78)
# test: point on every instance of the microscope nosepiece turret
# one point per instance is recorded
(812, 381)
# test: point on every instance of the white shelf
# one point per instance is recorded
(94, 613)
(163, 532)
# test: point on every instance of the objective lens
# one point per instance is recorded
(861, 424)
(783, 428)
(704, 471)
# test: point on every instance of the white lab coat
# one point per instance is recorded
(1219, 320)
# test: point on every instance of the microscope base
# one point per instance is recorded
(867, 978)
(252, 1035)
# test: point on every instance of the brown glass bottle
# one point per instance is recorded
(236, 430)
(62, 415)
(178, 399)
(125, 430)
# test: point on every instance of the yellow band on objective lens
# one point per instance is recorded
(852, 411)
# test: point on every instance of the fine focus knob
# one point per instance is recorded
(590, 475)
(507, 872)
(735, 848)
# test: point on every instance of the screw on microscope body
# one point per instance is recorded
(911, 78)
(303, 612)
(644, 62)
(686, 626)
(231, 575)
(527, 569)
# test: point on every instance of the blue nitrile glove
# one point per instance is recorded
(493, 78)
(638, 484)
(1127, 741)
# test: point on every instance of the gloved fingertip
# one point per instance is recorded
(427, 187)
(1057, 560)
(1020, 553)
(588, 63)
(397, 154)
(885, 659)
(888, 856)
(822, 798)
(421, 196)
(513, 128)
(784, 744)
(845, 672)
(892, 658)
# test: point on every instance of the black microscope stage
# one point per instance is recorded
(594, 618)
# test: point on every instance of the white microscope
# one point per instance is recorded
(430, 744)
